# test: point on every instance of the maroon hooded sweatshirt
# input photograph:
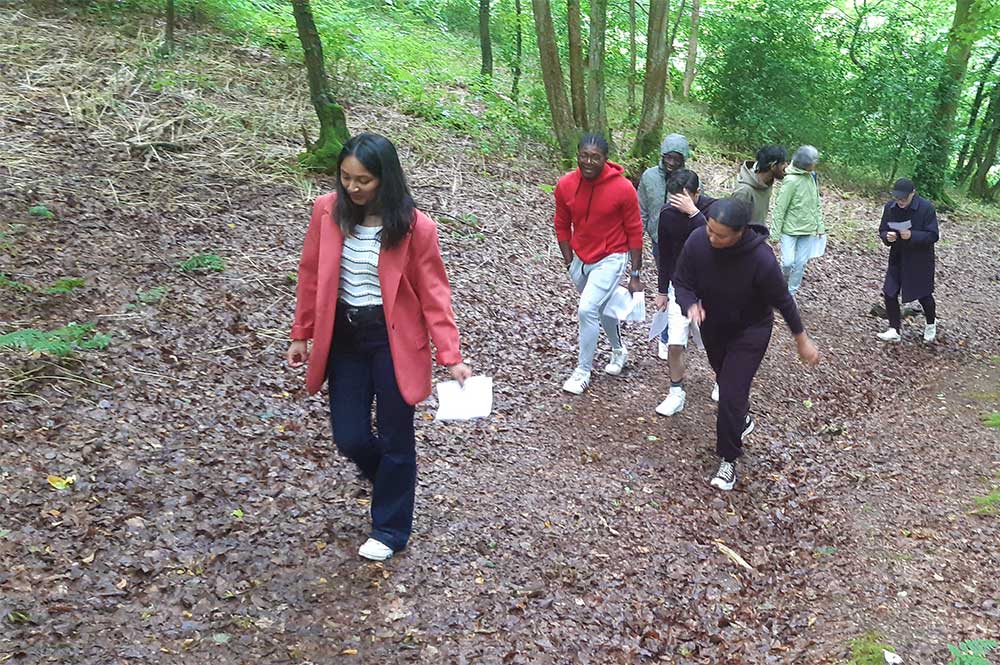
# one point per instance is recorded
(739, 287)
(598, 217)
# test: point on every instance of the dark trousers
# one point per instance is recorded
(895, 316)
(735, 355)
(360, 371)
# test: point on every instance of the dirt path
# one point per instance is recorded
(211, 518)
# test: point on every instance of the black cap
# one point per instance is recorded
(902, 188)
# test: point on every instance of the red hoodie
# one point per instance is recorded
(598, 217)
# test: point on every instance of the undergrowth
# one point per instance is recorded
(868, 650)
(60, 342)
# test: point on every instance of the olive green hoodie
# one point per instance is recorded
(796, 208)
(750, 190)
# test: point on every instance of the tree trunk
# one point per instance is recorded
(555, 90)
(989, 134)
(518, 51)
(692, 55)
(576, 76)
(485, 47)
(982, 139)
(670, 47)
(973, 116)
(168, 40)
(595, 82)
(651, 121)
(321, 155)
(632, 73)
(898, 153)
(932, 169)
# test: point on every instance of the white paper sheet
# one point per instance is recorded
(473, 400)
(658, 324)
(638, 312)
(619, 304)
(818, 248)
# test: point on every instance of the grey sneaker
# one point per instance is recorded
(617, 362)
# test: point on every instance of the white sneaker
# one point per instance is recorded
(617, 362)
(748, 427)
(662, 350)
(725, 477)
(673, 403)
(374, 550)
(715, 393)
(890, 335)
(930, 332)
(577, 382)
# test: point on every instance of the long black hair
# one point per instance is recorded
(392, 199)
(683, 180)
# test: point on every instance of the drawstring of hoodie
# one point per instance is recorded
(590, 200)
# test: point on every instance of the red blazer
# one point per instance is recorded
(416, 298)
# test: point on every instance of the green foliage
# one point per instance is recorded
(991, 419)
(41, 211)
(972, 652)
(65, 285)
(60, 342)
(203, 263)
(6, 282)
(153, 295)
(867, 650)
(989, 504)
(857, 83)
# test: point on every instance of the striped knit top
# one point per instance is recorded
(359, 285)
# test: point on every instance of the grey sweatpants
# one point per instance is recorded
(595, 283)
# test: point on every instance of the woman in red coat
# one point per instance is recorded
(372, 293)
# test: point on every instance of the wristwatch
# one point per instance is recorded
(634, 274)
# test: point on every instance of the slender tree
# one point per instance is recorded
(555, 90)
(518, 50)
(595, 81)
(577, 89)
(485, 47)
(321, 154)
(168, 39)
(985, 156)
(692, 54)
(977, 102)
(651, 120)
(932, 169)
(632, 71)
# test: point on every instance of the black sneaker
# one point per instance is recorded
(748, 426)
(725, 477)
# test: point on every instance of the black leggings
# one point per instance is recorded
(895, 317)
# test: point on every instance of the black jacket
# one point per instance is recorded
(911, 262)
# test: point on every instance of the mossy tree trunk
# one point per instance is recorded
(322, 154)
(577, 90)
(653, 90)
(485, 45)
(596, 107)
(555, 91)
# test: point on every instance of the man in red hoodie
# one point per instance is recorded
(598, 227)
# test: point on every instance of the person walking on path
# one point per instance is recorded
(684, 212)
(796, 219)
(728, 281)
(756, 179)
(599, 229)
(371, 290)
(674, 152)
(909, 228)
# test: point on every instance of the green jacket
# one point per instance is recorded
(749, 190)
(796, 208)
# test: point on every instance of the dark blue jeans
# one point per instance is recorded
(360, 371)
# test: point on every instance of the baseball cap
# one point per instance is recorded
(902, 188)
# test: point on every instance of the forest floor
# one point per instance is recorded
(210, 518)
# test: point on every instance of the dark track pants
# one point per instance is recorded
(735, 355)
(895, 316)
(360, 370)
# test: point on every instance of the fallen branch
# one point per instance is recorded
(733, 556)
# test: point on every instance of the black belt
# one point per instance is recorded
(361, 316)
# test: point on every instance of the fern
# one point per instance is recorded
(972, 652)
(200, 262)
(66, 285)
(7, 282)
(40, 211)
(60, 342)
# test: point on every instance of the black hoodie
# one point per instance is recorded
(739, 287)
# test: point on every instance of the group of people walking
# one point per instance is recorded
(372, 292)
